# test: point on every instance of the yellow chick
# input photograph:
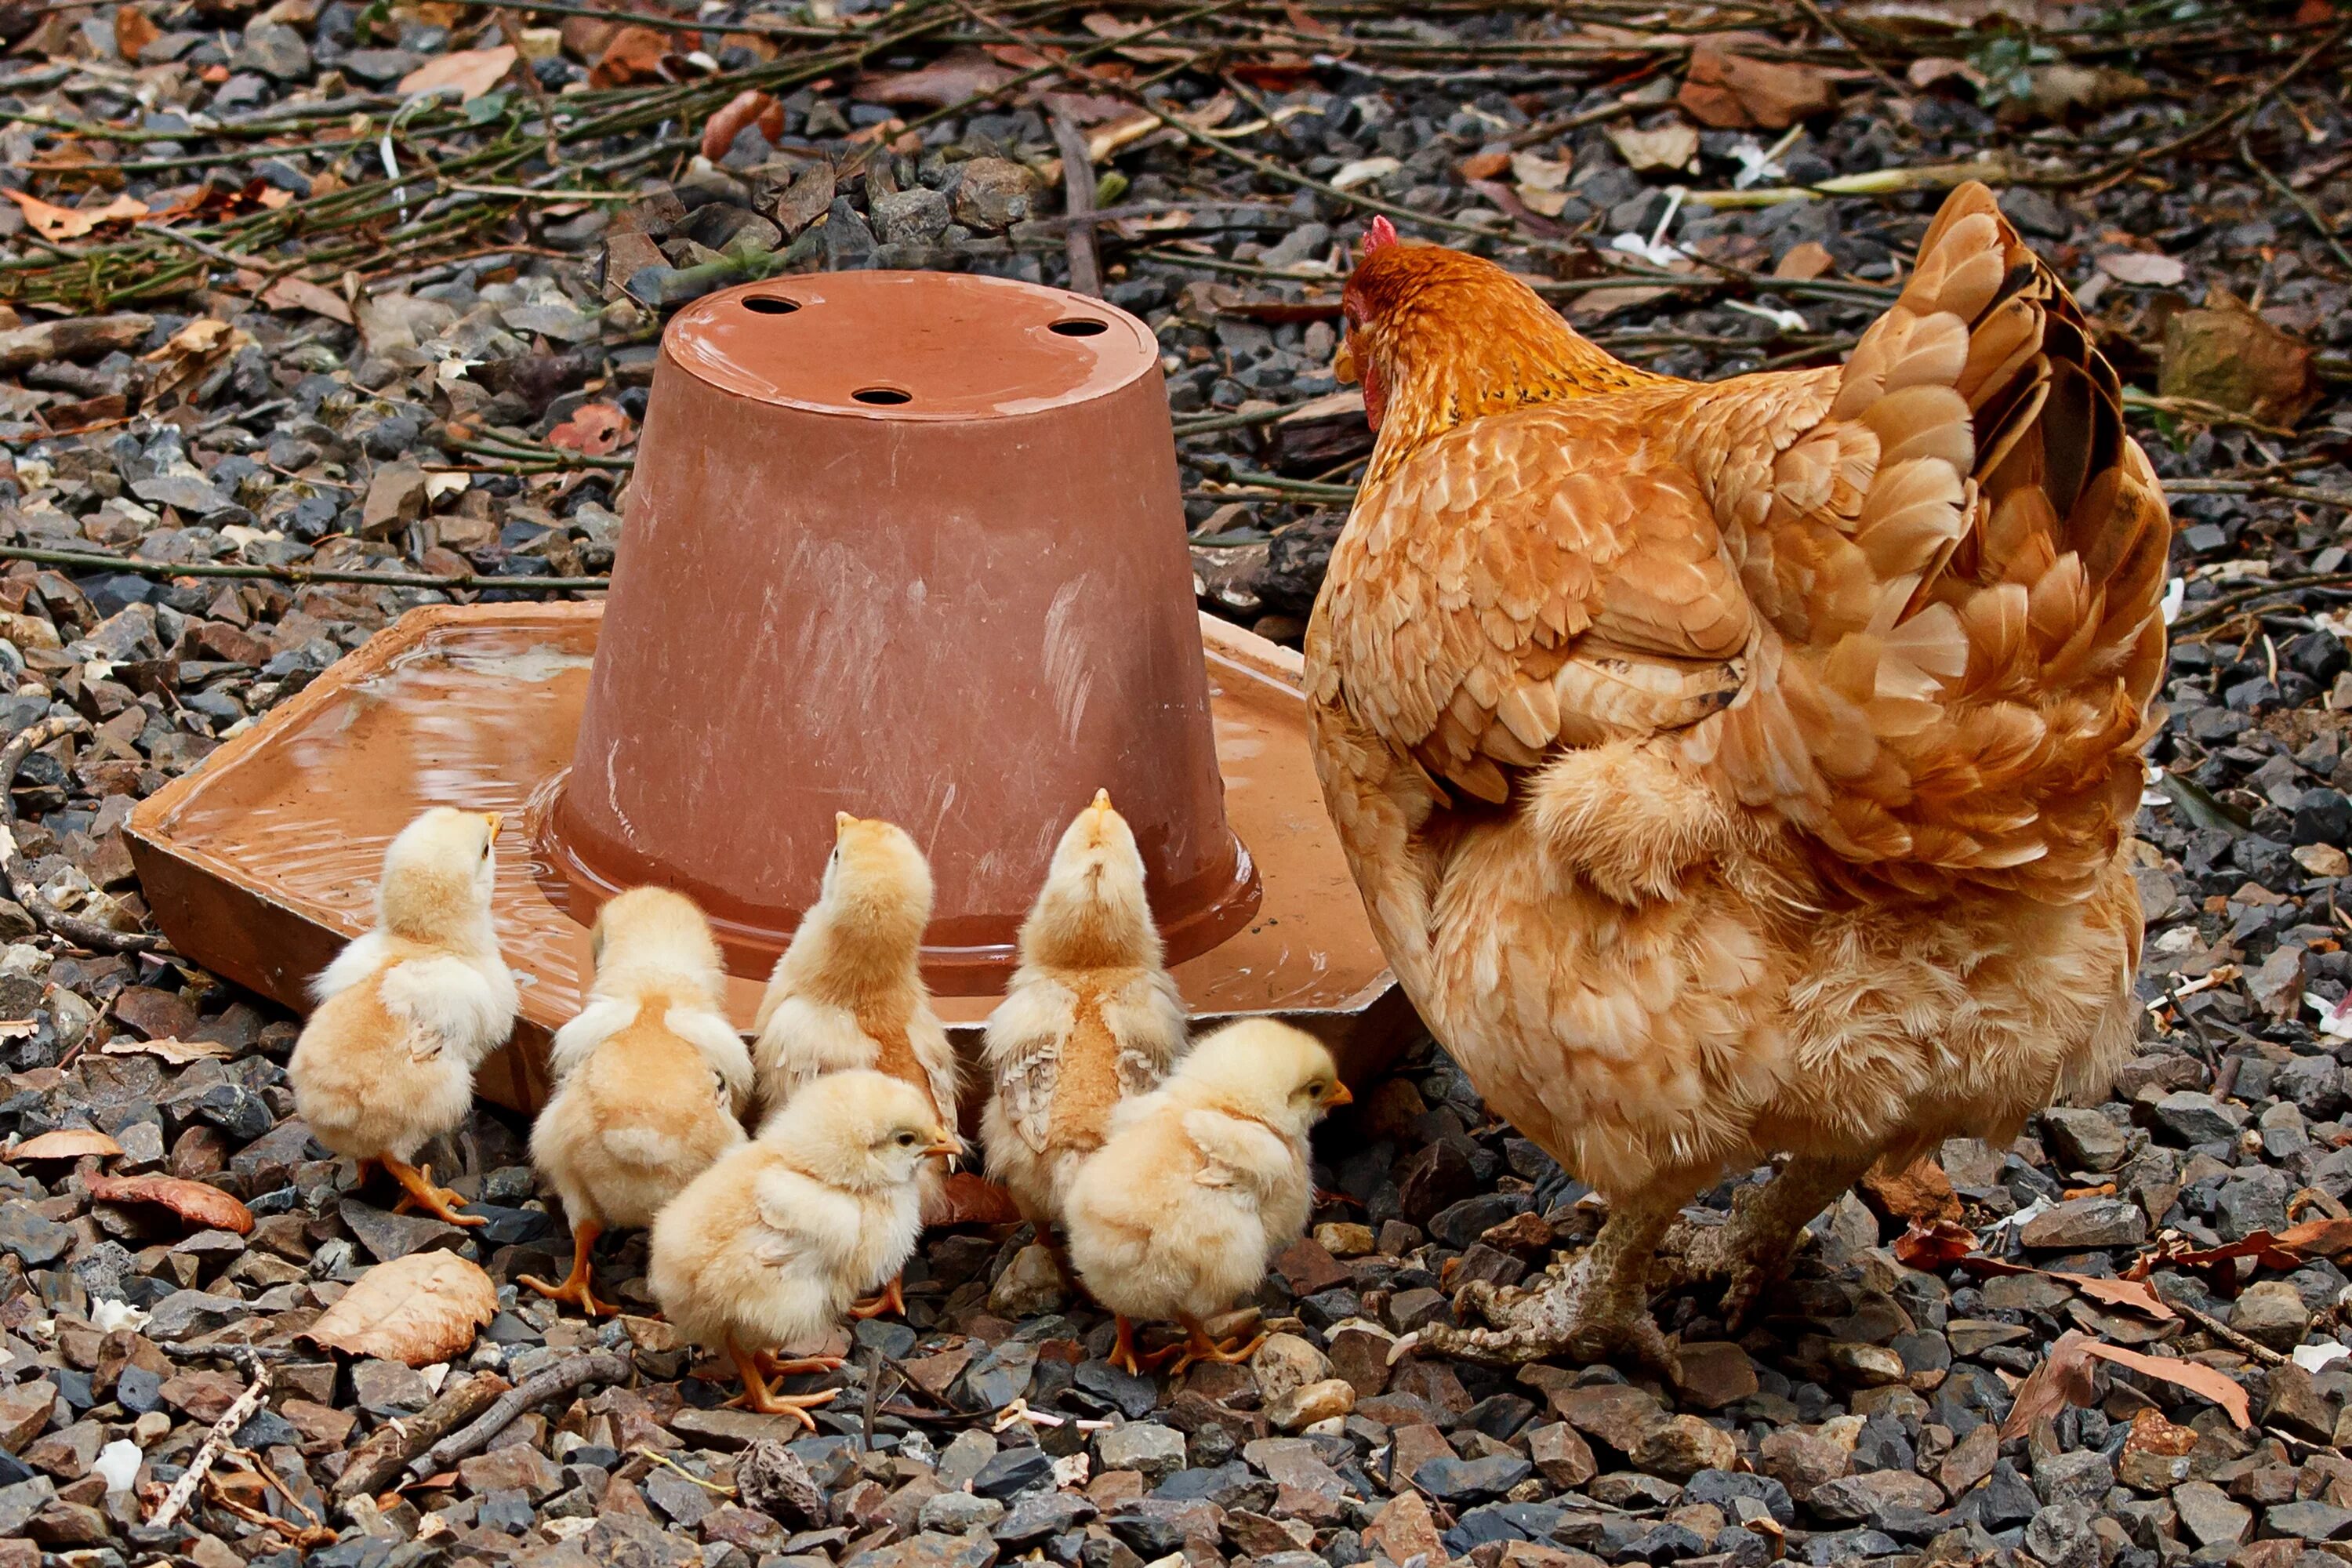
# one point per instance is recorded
(1091, 1018)
(1200, 1182)
(766, 1248)
(651, 1079)
(406, 1012)
(849, 992)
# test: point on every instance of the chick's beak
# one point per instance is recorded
(1102, 800)
(494, 818)
(945, 1144)
(1338, 1097)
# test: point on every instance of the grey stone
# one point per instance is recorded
(2310, 1520)
(916, 216)
(2208, 1515)
(2082, 1476)
(1037, 1515)
(992, 194)
(1457, 1481)
(387, 1235)
(2061, 1536)
(1012, 1471)
(2187, 1116)
(274, 49)
(957, 1512)
(35, 1241)
(2083, 1140)
(1146, 1446)
(2085, 1222)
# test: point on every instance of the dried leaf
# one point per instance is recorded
(201, 1205)
(66, 1143)
(1935, 1246)
(750, 107)
(949, 80)
(134, 31)
(179, 1053)
(1543, 173)
(1731, 93)
(2205, 1382)
(1805, 260)
(290, 293)
(420, 1309)
(2137, 1294)
(472, 72)
(2145, 269)
(2330, 1238)
(2064, 1378)
(1667, 147)
(1103, 25)
(1483, 165)
(633, 54)
(2231, 357)
(55, 223)
(595, 428)
(1364, 172)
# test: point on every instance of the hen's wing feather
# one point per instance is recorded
(1544, 576)
(1956, 570)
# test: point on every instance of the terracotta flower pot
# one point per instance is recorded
(909, 545)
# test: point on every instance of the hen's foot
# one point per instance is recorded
(757, 1397)
(575, 1287)
(1596, 1310)
(1199, 1347)
(419, 1195)
(1751, 1252)
(1567, 1319)
(893, 1299)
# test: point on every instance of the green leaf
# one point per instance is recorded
(485, 109)
(2199, 804)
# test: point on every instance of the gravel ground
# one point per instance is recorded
(307, 362)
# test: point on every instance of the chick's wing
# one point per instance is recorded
(448, 1004)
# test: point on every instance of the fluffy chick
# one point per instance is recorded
(1091, 1018)
(408, 1011)
(651, 1079)
(848, 991)
(1200, 1182)
(767, 1247)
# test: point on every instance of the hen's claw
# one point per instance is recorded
(419, 1195)
(1751, 1250)
(1563, 1319)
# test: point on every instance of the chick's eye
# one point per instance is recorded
(906, 1140)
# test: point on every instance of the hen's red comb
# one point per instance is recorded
(1380, 236)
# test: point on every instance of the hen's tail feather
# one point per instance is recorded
(1969, 652)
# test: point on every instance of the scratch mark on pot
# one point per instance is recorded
(1067, 676)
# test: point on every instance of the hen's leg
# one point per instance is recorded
(892, 1299)
(1750, 1251)
(1597, 1310)
(575, 1287)
(419, 1193)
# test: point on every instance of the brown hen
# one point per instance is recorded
(1740, 769)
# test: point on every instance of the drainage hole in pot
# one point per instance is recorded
(771, 305)
(881, 394)
(1079, 327)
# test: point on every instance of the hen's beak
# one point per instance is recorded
(1343, 367)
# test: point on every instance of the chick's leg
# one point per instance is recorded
(418, 1192)
(1596, 1310)
(757, 1395)
(575, 1287)
(893, 1299)
(1751, 1250)
(1123, 1353)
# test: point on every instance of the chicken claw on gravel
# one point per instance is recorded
(1565, 1319)
(758, 1397)
(1750, 1251)
(892, 1299)
(1199, 1347)
(419, 1195)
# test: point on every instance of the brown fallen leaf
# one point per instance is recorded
(2330, 1238)
(472, 72)
(2209, 1382)
(949, 80)
(2229, 356)
(595, 429)
(1804, 261)
(1732, 92)
(1935, 1246)
(178, 1053)
(55, 223)
(64, 1143)
(2064, 1378)
(634, 54)
(201, 1205)
(418, 1310)
(2137, 1294)
(134, 31)
(290, 293)
(750, 107)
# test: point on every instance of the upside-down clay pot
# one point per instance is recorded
(908, 545)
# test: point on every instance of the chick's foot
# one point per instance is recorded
(757, 1397)
(775, 1365)
(575, 1286)
(893, 1299)
(418, 1195)
(1750, 1251)
(1597, 1310)
(1123, 1353)
(1199, 1347)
